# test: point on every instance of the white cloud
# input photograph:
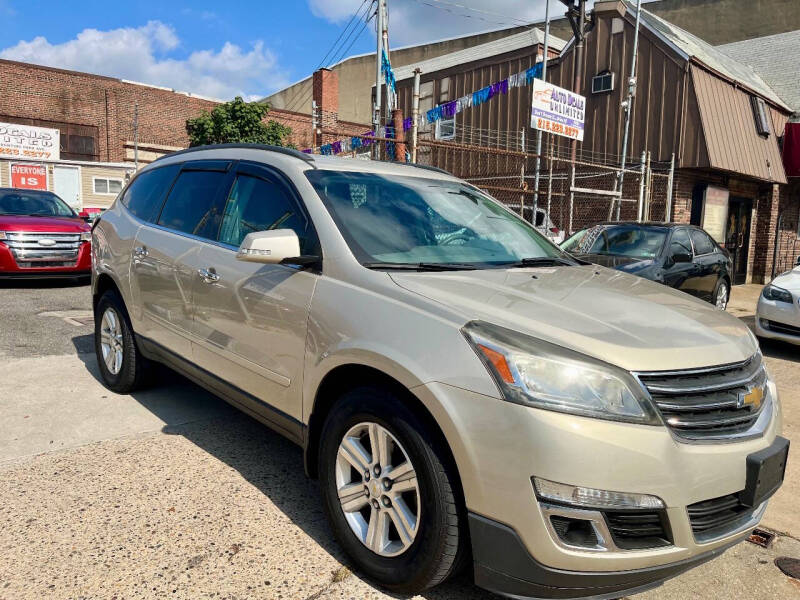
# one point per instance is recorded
(334, 11)
(419, 21)
(146, 54)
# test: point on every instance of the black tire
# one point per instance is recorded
(721, 283)
(131, 375)
(441, 541)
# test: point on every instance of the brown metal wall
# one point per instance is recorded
(658, 112)
(731, 137)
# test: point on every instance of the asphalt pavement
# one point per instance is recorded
(171, 493)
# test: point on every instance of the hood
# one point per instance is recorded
(621, 319)
(23, 223)
(790, 280)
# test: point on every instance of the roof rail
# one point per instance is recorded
(279, 149)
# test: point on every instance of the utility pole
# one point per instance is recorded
(576, 13)
(415, 116)
(136, 135)
(539, 131)
(376, 118)
(628, 105)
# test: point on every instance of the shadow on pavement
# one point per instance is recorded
(268, 461)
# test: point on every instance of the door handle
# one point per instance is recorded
(208, 275)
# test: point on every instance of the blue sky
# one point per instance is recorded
(222, 49)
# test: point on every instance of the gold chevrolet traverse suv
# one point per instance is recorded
(466, 392)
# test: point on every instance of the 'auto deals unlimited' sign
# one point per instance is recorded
(27, 141)
(557, 110)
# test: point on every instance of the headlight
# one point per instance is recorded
(86, 236)
(536, 373)
(2, 235)
(773, 292)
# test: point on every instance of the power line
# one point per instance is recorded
(442, 5)
(344, 51)
(293, 102)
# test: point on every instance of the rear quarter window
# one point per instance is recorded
(702, 243)
(146, 192)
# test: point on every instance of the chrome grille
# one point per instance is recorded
(40, 248)
(712, 403)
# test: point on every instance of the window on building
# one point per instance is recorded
(761, 115)
(107, 185)
(446, 129)
(603, 82)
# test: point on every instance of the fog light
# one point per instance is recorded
(592, 498)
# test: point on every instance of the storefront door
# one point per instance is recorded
(737, 236)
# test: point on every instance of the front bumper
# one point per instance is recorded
(504, 566)
(10, 269)
(778, 320)
(498, 446)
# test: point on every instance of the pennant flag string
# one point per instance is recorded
(442, 111)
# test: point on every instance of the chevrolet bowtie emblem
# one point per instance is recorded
(753, 398)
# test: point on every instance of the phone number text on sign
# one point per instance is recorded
(558, 128)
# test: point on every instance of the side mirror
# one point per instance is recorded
(269, 247)
(681, 257)
(278, 246)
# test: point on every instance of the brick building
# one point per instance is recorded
(95, 117)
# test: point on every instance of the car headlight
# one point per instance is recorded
(2, 235)
(536, 373)
(773, 292)
(86, 236)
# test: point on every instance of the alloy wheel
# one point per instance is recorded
(378, 489)
(111, 343)
(721, 300)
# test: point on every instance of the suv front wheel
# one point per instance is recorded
(387, 492)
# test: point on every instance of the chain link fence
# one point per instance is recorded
(572, 193)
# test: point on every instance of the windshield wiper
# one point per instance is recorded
(421, 266)
(544, 261)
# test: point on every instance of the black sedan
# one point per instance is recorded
(681, 256)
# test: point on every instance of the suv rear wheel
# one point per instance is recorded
(388, 495)
(121, 365)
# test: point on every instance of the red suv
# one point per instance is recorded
(41, 236)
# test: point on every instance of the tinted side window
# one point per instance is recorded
(702, 243)
(680, 243)
(145, 193)
(255, 204)
(191, 207)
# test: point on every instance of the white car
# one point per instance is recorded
(778, 312)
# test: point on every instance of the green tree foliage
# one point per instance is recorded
(237, 121)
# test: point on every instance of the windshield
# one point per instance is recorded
(22, 203)
(622, 240)
(410, 220)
